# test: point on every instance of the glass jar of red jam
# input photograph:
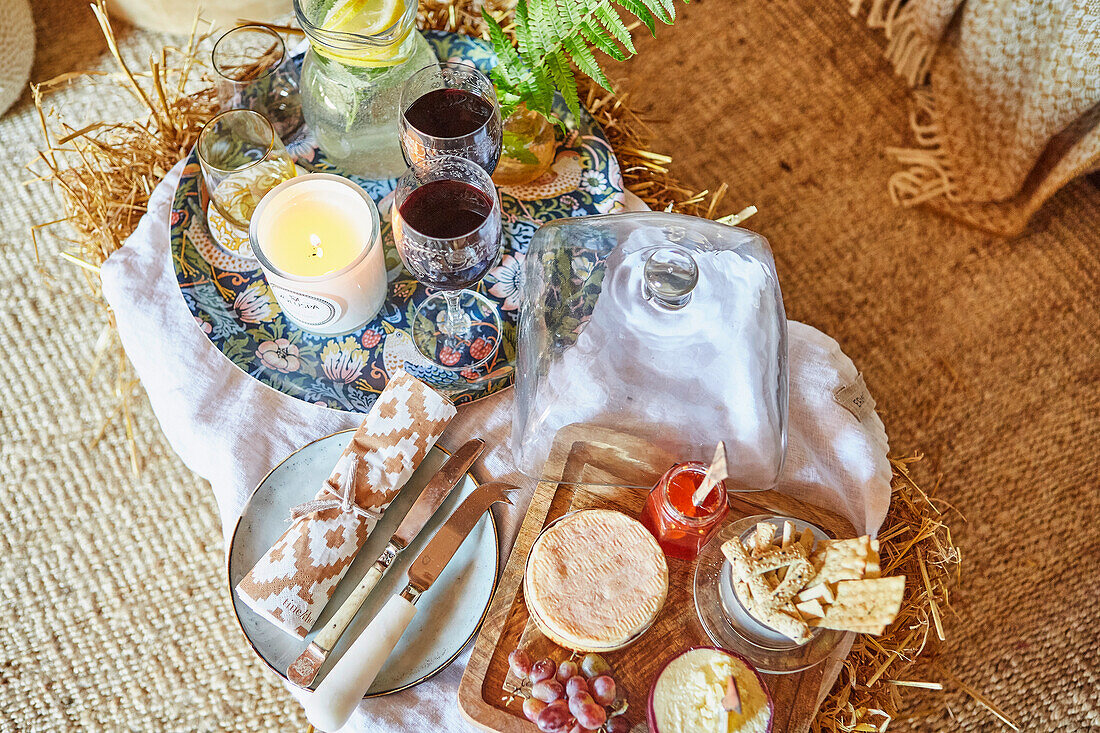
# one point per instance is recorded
(681, 528)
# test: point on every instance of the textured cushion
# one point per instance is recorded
(16, 51)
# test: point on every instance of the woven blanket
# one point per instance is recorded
(1007, 102)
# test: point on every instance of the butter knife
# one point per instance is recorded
(343, 687)
(305, 668)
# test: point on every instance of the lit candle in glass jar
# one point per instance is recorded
(317, 240)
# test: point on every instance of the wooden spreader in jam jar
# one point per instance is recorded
(681, 528)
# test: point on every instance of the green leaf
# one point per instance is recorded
(514, 146)
(586, 62)
(663, 9)
(523, 29)
(563, 77)
(594, 37)
(615, 26)
(553, 34)
(539, 93)
(641, 12)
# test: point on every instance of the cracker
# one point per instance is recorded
(736, 553)
(864, 604)
(788, 534)
(785, 620)
(762, 539)
(807, 540)
(798, 572)
(837, 560)
(776, 558)
(823, 593)
(810, 609)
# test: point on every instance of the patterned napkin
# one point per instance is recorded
(292, 583)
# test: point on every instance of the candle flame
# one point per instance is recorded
(315, 242)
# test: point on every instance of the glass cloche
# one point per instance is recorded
(667, 327)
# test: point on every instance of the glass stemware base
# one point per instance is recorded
(467, 343)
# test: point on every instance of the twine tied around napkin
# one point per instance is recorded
(346, 469)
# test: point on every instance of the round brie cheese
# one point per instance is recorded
(595, 580)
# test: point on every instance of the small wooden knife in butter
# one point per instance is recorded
(305, 668)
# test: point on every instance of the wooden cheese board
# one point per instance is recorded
(589, 461)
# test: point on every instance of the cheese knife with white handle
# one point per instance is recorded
(304, 669)
(343, 687)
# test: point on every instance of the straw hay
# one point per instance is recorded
(915, 541)
(107, 170)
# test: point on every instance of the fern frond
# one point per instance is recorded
(553, 35)
(523, 29)
(663, 9)
(593, 37)
(638, 9)
(517, 83)
(611, 21)
(538, 92)
(582, 56)
(558, 66)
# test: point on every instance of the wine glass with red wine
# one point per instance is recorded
(450, 109)
(446, 225)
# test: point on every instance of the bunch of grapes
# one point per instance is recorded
(570, 697)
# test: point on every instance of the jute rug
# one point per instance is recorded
(982, 353)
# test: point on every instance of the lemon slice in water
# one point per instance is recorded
(365, 18)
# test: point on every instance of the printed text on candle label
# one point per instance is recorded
(308, 310)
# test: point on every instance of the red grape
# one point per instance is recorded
(593, 665)
(520, 662)
(547, 690)
(567, 669)
(589, 714)
(603, 689)
(554, 717)
(618, 724)
(576, 684)
(532, 707)
(576, 702)
(543, 669)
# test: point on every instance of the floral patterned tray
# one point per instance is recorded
(232, 304)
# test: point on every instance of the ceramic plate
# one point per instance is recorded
(232, 304)
(448, 614)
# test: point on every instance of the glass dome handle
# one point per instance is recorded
(670, 275)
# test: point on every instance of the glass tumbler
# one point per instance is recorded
(450, 109)
(255, 72)
(447, 228)
(242, 159)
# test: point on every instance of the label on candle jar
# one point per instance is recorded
(306, 309)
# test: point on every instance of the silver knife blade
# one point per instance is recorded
(304, 669)
(436, 492)
(442, 547)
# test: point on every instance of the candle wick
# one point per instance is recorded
(315, 242)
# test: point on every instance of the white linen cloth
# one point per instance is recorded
(231, 430)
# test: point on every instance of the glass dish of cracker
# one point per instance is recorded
(782, 593)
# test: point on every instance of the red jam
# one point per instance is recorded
(681, 528)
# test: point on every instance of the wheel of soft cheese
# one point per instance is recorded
(16, 51)
(595, 580)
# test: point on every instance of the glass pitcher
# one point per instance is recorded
(360, 55)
